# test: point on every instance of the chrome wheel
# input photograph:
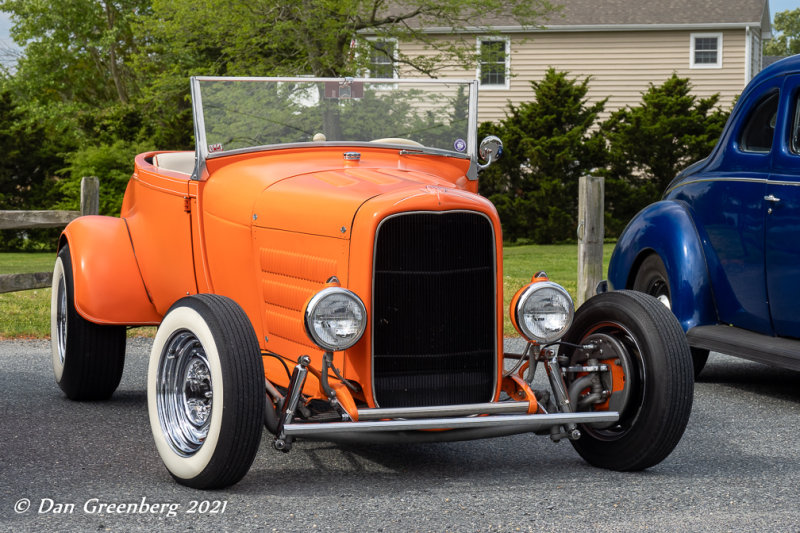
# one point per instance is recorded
(88, 358)
(205, 391)
(61, 320)
(660, 290)
(184, 393)
(664, 299)
(652, 279)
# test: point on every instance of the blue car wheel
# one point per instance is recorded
(652, 279)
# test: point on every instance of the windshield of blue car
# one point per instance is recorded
(236, 114)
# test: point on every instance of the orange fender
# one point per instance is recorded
(108, 285)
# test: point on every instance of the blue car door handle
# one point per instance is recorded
(772, 198)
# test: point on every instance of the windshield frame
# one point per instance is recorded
(201, 145)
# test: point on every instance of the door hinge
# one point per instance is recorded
(187, 207)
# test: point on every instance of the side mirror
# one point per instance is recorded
(490, 150)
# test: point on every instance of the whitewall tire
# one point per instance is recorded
(205, 392)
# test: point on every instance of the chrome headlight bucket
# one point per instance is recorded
(542, 311)
(335, 319)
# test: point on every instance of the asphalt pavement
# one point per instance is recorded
(68, 466)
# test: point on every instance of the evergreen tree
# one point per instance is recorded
(31, 155)
(549, 143)
(649, 144)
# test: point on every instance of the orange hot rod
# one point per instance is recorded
(322, 265)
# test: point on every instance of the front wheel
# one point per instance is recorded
(650, 372)
(88, 358)
(205, 392)
(652, 279)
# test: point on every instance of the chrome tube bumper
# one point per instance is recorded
(406, 420)
(498, 408)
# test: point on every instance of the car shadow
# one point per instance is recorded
(751, 377)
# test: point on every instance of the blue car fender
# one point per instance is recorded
(667, 228)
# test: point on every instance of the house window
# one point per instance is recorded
(381, 59)
(493, 63)
(706, 50)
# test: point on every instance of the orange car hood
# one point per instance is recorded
(325, 202)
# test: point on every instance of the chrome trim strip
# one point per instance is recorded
(372, 289)
(422, 150)
(444, 410)
(472, 131)
(710, 180)
(312, 79)
(766, 181)
(784, 183)
(501, 422)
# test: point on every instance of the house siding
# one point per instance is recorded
(622, 65)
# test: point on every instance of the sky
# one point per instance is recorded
(7, 46)
(782, 5)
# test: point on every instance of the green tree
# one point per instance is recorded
(549, 143)
(111, 163)
(31, 155)
(75, 60)
(330, 37)
(324, 38)
(74, 90)
(649, 144)
(105, 77)
(787, 23)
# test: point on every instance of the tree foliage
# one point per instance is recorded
(323, 38)
(649, 144)
(788, 40)
(329, 38)
(76, 59)
(100, 80)
(30, 153)
(550, 142)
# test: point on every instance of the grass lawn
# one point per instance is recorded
(27, 313)
(560, 261)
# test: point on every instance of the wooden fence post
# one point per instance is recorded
(90, 205)
(591, 199)
(90, 196)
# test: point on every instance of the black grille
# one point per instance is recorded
(434, 310)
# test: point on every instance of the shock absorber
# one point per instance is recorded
(561, 397)
(282, 441)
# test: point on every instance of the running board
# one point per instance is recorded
(775, 351)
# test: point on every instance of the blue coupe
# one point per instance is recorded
(722, 248)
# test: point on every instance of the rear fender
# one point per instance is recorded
(108, 285)
(666, 228)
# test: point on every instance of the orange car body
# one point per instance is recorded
(268, 230)
(322, 265)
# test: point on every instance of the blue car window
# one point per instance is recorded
(760, 127)
(796, 125)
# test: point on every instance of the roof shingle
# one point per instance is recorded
(638, 12)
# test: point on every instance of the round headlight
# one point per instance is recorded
(335, 319)
(542, 311)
